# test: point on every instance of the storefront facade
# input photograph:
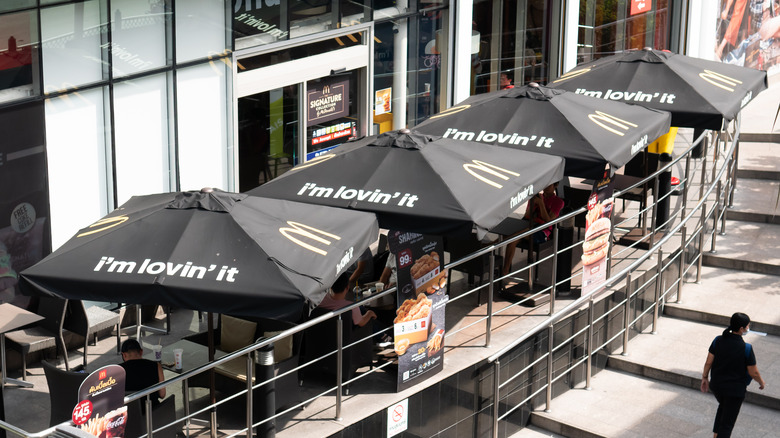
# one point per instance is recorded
(105, 99)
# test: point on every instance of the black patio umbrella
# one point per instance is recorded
(420, 183)
(587, 132)
(208, 250)
(699, 93)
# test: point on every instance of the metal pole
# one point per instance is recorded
(339, 359)
(725, 211)
(609, 247)
(496, 388)
(554, 269)
(703, 174)
(734, 174)
(682, 264)
(702, 230)
(589, 341)
(715, 219)
(186, 391)
(264, 358)
(550, 333)
(491, 289)
(687, 182)
(249, 399)
(149, 425)
(627, 314)
(653, 225)
(658, 285)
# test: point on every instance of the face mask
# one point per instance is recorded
(746, 332)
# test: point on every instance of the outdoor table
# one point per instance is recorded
(194, 355)
(13, 318)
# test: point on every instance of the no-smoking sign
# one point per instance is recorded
(397, 418)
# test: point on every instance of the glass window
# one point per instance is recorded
(200, 29)
(18, 56)
(12, 5)
(77, 162)
(141, 155)
(202, 127)
(72, 35)
(138, 31)
(310, 16)
(354, 12)
(258, 22)
(427, 83)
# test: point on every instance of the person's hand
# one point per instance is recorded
(761, 385)
(371, 314)
(705, 385)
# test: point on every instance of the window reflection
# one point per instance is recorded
(18, 55)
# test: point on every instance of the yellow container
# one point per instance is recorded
(664, 144)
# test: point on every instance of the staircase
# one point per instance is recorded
(653, 390)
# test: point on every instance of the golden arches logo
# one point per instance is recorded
(719, 80)
(104, 224)
(572, 74)
(315, 161)
(490, 169)
(297, 228)
(450, 111)
(603, 119)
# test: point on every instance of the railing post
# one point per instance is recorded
(149, 424)
(725, 211)
(550, 346)
(589, 342)
(491, 288)
(339, 359)
(734, 175)
(627, 314)
(249, 402)
(609, 247)
(686, 182)
(264, 359)
(653, 225)
(683, 245)
(496, 398)
(658, 286)
(703, 173)
(554, 269)
(702, 230)
(715, 219)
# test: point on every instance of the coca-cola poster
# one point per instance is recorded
(101, 411)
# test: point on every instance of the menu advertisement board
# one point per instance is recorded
(748, 34)
(383, 101)
(327, 101)
(598, 232)
(422, 298)
(101, 411)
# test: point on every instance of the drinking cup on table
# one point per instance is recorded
(157, 352)
(379, 286)
(177, 353)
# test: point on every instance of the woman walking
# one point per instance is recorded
(730, 366)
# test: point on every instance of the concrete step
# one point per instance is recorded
(676, 355)
(747, 246)
(759, 159)
(722, 292)
(756, 200)
(532, 431)
(624, 405)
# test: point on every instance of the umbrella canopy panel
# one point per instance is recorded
(699, 93)
(420, 183)
(219, 252)
(587, 132)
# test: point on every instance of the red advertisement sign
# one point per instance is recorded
(101, 411)
(598, 232)
(639, 6)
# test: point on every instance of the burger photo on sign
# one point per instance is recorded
(596, 243)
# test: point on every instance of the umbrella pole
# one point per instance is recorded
(212, 383)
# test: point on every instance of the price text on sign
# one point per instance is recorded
(82, 412)
(405, 258)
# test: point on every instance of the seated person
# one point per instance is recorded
(337, 299)
(390, 274)
(140, 373)
(362, 271)
(542, 208)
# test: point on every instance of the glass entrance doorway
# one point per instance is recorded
(289, 112)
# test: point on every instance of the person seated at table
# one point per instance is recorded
(337, 299)
(362, 271)
(542, 208)
(140, 373)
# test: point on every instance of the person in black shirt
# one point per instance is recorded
(730, 367)
(140, 373)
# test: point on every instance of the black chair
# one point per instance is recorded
(162, 414)
(48, 333)
(88, 322)
(320, 340)
(63, 392)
